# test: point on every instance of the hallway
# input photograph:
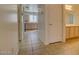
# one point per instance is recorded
(33, 46)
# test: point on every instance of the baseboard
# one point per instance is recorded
(10, 52)
(46, 43)
(72, 38)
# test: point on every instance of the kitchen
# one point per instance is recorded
(71, 15)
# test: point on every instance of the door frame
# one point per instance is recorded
(20, 22)
(19, 6)
(63, 21)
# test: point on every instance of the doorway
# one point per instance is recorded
(31, 38)
(30, 17)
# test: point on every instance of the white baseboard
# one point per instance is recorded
(9, 52)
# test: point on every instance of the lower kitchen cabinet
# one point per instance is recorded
(72, 31)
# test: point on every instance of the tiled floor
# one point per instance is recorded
(33, 46)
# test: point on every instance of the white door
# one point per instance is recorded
(54, 23)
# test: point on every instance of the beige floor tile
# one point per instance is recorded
(33, 46)
(40, 51)
(25, 52)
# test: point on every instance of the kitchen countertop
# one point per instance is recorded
(71, 25)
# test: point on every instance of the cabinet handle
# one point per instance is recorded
(50, 24)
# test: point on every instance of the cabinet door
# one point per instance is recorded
(76, 31)
(72, 32)
(67, 32)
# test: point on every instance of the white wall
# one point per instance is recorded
(8, 29)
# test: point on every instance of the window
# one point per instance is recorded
(71, 19)
(33, 18)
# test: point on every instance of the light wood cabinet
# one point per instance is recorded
(72, 31)
(31, 26)
(67, 32)
(77, 31)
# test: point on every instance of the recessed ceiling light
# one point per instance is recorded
(68, 7)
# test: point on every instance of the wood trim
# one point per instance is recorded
(63, 26)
